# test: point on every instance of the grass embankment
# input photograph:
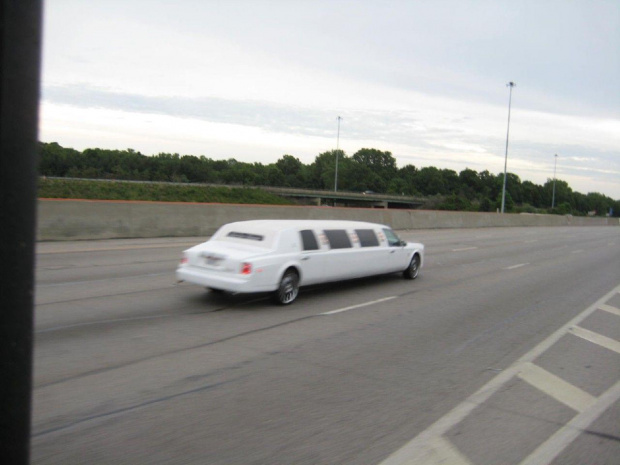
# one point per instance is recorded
(119, 190)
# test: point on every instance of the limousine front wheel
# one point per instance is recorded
(413, 269)
(288, 289)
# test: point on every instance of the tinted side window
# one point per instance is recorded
(308, 240)
(368, 238)
(338, 238)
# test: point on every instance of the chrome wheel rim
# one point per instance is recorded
(413, 266)
(288, 288)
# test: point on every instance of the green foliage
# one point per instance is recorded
(295, 173)
(322, 171)
(563, 209)
(367, 169)
(429, 181)
(485, 205)
(455, 202)
(509, 204)
(152, 191)
(379, 168)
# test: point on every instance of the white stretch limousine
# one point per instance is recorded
(279, 256)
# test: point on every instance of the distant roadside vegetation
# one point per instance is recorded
(366, 170)
(153, 191)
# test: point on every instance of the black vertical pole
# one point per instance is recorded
(20, 49)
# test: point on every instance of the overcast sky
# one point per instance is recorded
(426, 80)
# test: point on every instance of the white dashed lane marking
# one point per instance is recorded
(514, 267)
(365, 304)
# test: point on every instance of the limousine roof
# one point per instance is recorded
(280, 225)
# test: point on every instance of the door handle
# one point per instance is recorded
(306, 258)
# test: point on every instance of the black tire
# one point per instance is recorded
(288, 289)
(413, 269)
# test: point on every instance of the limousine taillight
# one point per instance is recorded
(246, 268)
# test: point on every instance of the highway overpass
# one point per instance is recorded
(348, 199)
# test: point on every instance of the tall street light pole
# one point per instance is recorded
(554, 168)
(337, 151)
(511, 85)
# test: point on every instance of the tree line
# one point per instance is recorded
(366, 170)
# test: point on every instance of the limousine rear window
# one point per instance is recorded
(308, 240)
(338, 238)
(367, 237)
(242, 235)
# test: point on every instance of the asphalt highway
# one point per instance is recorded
(505, 350)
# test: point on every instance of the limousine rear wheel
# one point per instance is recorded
(413, 269)
(288, 289)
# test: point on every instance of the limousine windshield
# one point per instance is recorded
(392, 238)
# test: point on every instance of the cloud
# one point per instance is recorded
(435, 131)
(394, 125)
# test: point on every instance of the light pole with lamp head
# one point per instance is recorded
(554, 168)
(511, 85)
(337, 150)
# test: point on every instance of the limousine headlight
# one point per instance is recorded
(246, 268)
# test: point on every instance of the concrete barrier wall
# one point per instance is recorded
(96, 219)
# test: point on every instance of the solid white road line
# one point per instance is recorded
(416, 448)
(365, 304)
(553, 446)
(556, 387)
